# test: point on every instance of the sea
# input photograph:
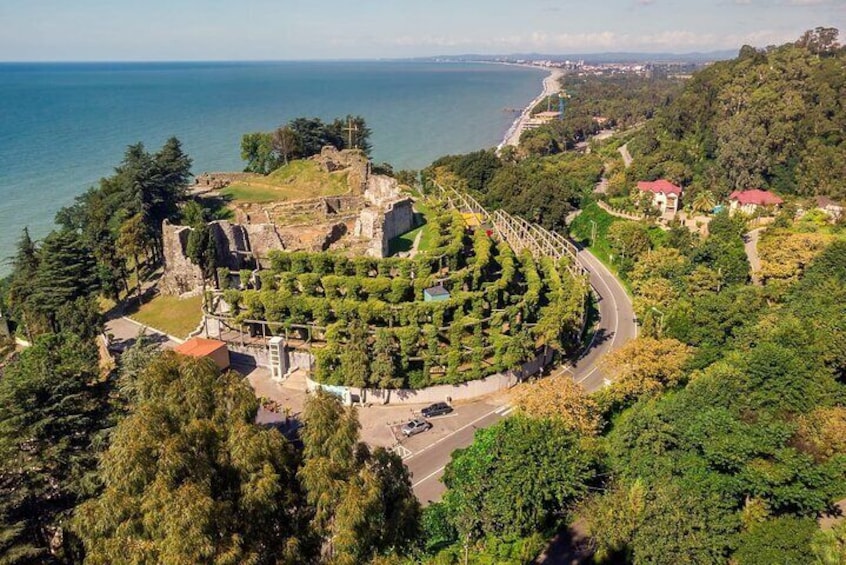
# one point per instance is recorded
(63, 126)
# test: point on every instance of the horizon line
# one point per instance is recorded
(365, 59)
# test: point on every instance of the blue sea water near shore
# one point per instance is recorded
(64, 126)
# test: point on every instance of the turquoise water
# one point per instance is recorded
(64, 126)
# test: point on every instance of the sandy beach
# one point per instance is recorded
(550, 87)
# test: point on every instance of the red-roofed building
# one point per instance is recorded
(665, 195)
(201, 348)
(752, 201)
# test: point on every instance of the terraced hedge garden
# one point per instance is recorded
(367, 324)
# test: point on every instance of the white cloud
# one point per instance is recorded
(677, 40)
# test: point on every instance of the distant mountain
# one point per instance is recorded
(596, 58)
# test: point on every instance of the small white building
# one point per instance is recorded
(751, 202)
(665, 195)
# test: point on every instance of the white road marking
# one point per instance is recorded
(427, 477)
(464, 427)
(402, 451)
(616, 309)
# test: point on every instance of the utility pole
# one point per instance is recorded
(592, 232)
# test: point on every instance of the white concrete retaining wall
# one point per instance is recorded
(439, 393)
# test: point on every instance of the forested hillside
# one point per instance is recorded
(594, 103)
(771, 118)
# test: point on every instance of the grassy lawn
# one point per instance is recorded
(296, 180)
(580, 230)
(405, 241)
(430, 236)
(170, 314)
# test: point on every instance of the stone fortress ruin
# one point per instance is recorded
(360, 222)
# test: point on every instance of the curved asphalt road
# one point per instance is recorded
(617, 325)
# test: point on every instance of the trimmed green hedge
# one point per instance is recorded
(371, 327)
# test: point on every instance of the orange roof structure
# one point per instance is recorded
(200, 347)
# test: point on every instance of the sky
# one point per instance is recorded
(161, 30)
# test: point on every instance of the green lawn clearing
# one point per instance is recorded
(170, 314)
(294, 181)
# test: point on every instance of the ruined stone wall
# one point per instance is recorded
(232, 246)
(381, 189)
(330, 160)
(180, 274)
(399, 218)
(263, 238)
(236, 246)
(381, 225)
(324, 208)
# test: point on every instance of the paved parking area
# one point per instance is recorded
(380, 424)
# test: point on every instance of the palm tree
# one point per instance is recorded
(704, 201)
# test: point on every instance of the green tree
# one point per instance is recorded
(202, 251)
(51, 412)
(66, 271)
(383, 367)
(829, 546)
(257, 151)
(703, 202)
(784, 540)
(20, 291)
(517, 477)
(170, 173)
(190, 478)
(355, 356)
(363, 503)
(285, 143)
(131, 242)
(628, 240)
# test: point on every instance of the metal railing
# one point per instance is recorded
(518, 233)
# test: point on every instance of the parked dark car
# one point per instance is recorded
(436, 409)
(415, 427)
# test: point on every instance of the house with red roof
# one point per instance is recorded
(753, 201)
(665, 195)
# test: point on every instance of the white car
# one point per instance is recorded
(415, 427)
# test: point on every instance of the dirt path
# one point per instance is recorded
(750, 244)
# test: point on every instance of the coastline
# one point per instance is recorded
(550, 87)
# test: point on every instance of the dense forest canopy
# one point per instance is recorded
(540, 189)
(593, 103)
(771, 118)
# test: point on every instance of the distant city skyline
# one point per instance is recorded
(183, 30)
